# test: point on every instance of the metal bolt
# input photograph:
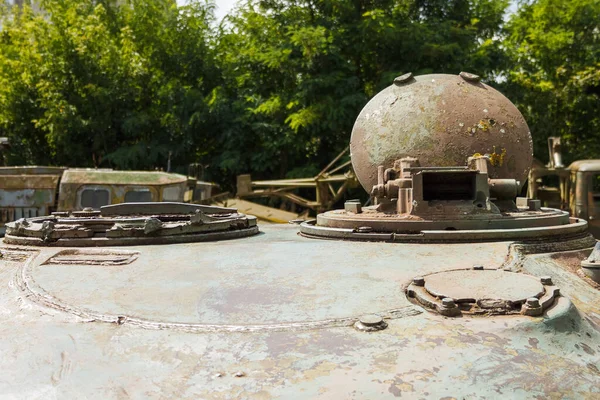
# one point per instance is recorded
(534, 205)
(419, 281)
(403, 78)
(21, 222)
(533, 302)
(239, 374)
(522, 202)
(546, 280)
(532, 307)
(353, 206)
(370, 320)
(364, 229)
(447, 302)
(370, 323)
(470, 77)
(478, 267)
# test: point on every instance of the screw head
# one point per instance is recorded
(533, 302)
(403, 78)
(370, 320)
(419, 281)
(467, 76)
(447, 302)
(239, 374)
(478, 267)
(370, 323)
(353, 206)
(546, 280)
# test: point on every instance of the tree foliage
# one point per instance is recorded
(96, 84)
(275, 88)
(554, 74)
(298, 72)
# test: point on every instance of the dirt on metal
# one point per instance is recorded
(441, 120)
(493, 308)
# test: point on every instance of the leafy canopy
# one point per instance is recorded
(276, 87)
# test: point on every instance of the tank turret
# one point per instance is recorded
(441, 120)
(444, 158)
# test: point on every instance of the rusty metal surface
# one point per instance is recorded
(480, 291)
(573, 236)
(132, 224)
(110, 177)
(25, 196)
(20, 182)
(487, 284)
(381, 222)
(162, 208)
(263, 213)
(273, 316)
(585, 166)
(441, 120)
(32, 170)
(591, 265)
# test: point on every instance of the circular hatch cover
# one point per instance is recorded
(472, 285)
(132, 224)
(483, 291)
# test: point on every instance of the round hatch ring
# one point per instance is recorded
(483, 292)
(132, 224)
(571, 229)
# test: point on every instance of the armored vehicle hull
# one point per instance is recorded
(273, 316)
(447, 286)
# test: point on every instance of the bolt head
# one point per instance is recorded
(419, 281)
(370, 320)
(546, 280)
(533, 302)
(353, 206)
(370, 323)
(467, 76)
(403, 78)
(447, 302)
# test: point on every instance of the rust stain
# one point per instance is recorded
(497, 159)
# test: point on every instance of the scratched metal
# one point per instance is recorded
(282, 279)
(441, 120)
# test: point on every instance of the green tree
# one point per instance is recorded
(100, 84)
(297, 73)
(554, 72)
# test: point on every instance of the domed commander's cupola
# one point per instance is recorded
(444, 158)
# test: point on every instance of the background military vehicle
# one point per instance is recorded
(36, 191)
(449, 286)
(575, 188)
